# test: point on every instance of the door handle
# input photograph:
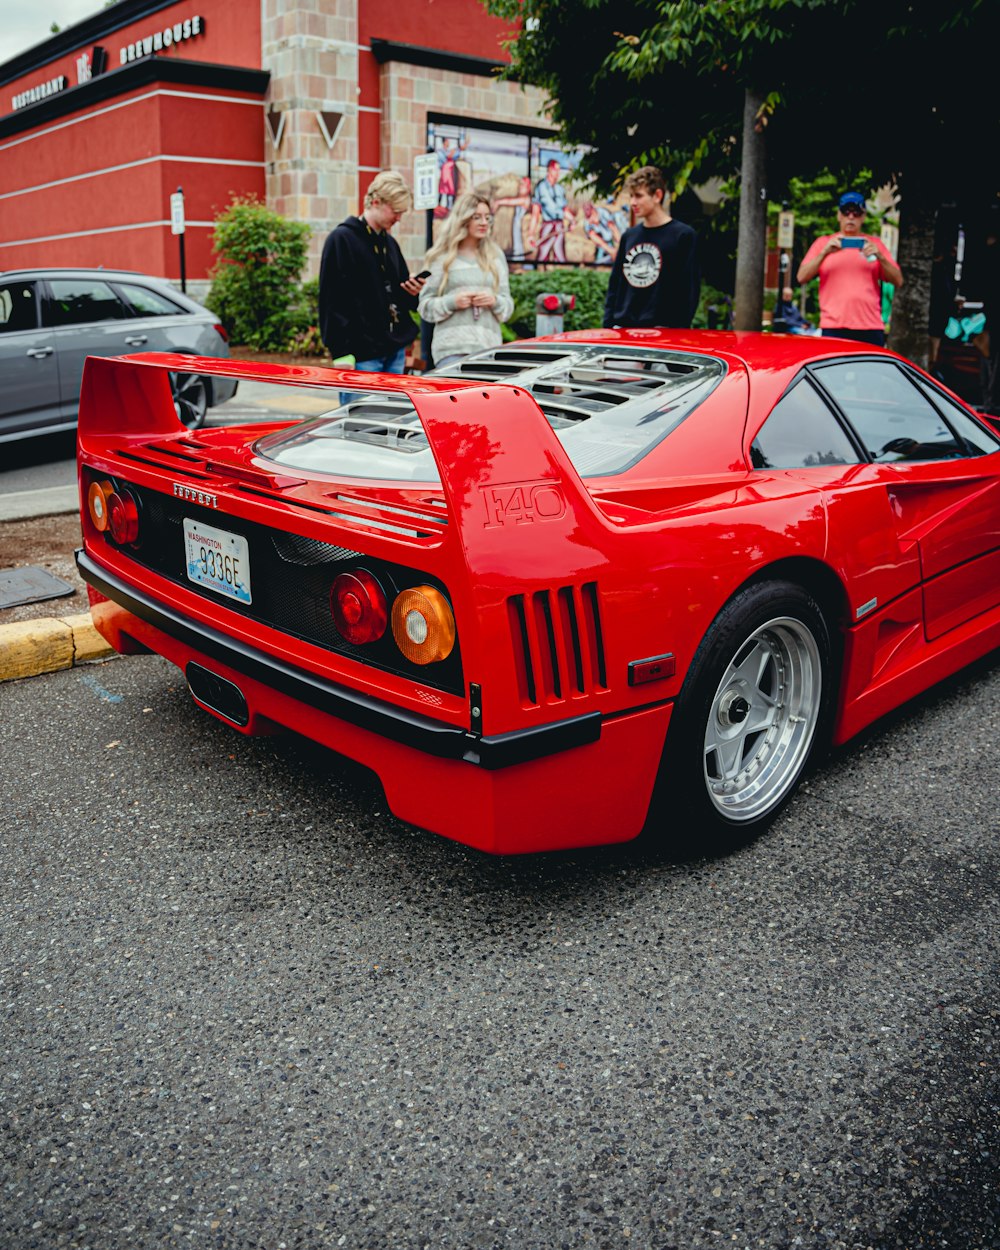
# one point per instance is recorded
(136, 340)
(38, 352)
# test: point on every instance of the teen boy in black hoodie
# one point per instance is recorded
(365, 289)
(654, 280)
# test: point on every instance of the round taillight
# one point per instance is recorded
(123, 517)
(423, 625)
(97, 503)
(359, 607)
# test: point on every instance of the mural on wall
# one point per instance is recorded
(543, 215)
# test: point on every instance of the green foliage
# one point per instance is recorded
(255, 287)
(303, 336)
(670, 77)
(813, 200)
(590, 286)
(714, 309)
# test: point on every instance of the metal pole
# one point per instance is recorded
(180, 191)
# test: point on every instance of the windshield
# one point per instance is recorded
(608, 407)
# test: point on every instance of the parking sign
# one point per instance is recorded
(425, 177)
(177, 213)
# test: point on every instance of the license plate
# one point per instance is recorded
(218, 560)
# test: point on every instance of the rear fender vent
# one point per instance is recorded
(557, 643)
(177, 464)
(377, 514)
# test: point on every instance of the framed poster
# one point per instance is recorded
(541, 212)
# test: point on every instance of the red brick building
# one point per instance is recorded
(102, 122)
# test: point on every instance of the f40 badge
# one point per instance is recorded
(522, 503)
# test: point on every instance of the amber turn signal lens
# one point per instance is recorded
(359, 607)
(423, 625)
(123, 517)
(97, 503)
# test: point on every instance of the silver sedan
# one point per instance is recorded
(51, 320)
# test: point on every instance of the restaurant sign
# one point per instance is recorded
(179, 32)
(40, 92)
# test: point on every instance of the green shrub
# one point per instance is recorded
(303, 321)
(255, 281)
(715, 307)
(590, 287)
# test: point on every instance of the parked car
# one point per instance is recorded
(566, 588)
(51, 320)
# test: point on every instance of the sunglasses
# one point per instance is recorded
(853, 210)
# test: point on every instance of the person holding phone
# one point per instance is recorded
(467, 295)
(852, 266)
(366, 293)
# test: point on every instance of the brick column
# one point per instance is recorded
(410, 92)
(311, 49)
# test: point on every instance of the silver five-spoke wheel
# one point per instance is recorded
(762, 719)
(757, 699)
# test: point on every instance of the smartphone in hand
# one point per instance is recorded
(858, 243)
(424, 273)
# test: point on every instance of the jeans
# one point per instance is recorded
(393, 363)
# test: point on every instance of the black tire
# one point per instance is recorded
(756, 703)
(192, 398)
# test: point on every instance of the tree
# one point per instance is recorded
(261, 256)
(904, 88)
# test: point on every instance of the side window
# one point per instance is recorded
(801, 433)
(75, 301)
(147, 303)
(978, 442)
(18, 309)
(890, 415)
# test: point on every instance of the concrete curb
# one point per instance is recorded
(48, 644)
(21, 505)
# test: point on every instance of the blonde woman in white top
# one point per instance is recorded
(467, 295)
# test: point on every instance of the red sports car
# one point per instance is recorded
(568, 589)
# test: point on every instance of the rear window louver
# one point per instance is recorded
(608, 402)
(557, 643)
(573, 383)
(503, 363)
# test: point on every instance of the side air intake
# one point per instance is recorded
(558, 644)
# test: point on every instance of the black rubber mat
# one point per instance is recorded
(30, 585)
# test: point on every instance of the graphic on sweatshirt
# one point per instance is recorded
(642, 264)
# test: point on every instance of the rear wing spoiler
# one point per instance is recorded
(503, 471)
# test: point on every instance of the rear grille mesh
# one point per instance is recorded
(291, 577)
(558, 643)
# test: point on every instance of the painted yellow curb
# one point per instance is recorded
(28, 648)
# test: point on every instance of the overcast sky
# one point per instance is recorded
(23, 23)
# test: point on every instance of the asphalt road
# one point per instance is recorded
(243, 1007)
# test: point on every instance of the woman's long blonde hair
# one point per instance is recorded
(455, 230)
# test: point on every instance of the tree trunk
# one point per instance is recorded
(751, 240)
(910, 307)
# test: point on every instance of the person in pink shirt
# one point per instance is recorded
(852, 267)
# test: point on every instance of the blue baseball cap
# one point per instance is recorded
(851, 197)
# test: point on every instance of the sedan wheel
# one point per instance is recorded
(757, 699)
(190, 394)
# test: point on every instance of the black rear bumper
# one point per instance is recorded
(396, 724)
